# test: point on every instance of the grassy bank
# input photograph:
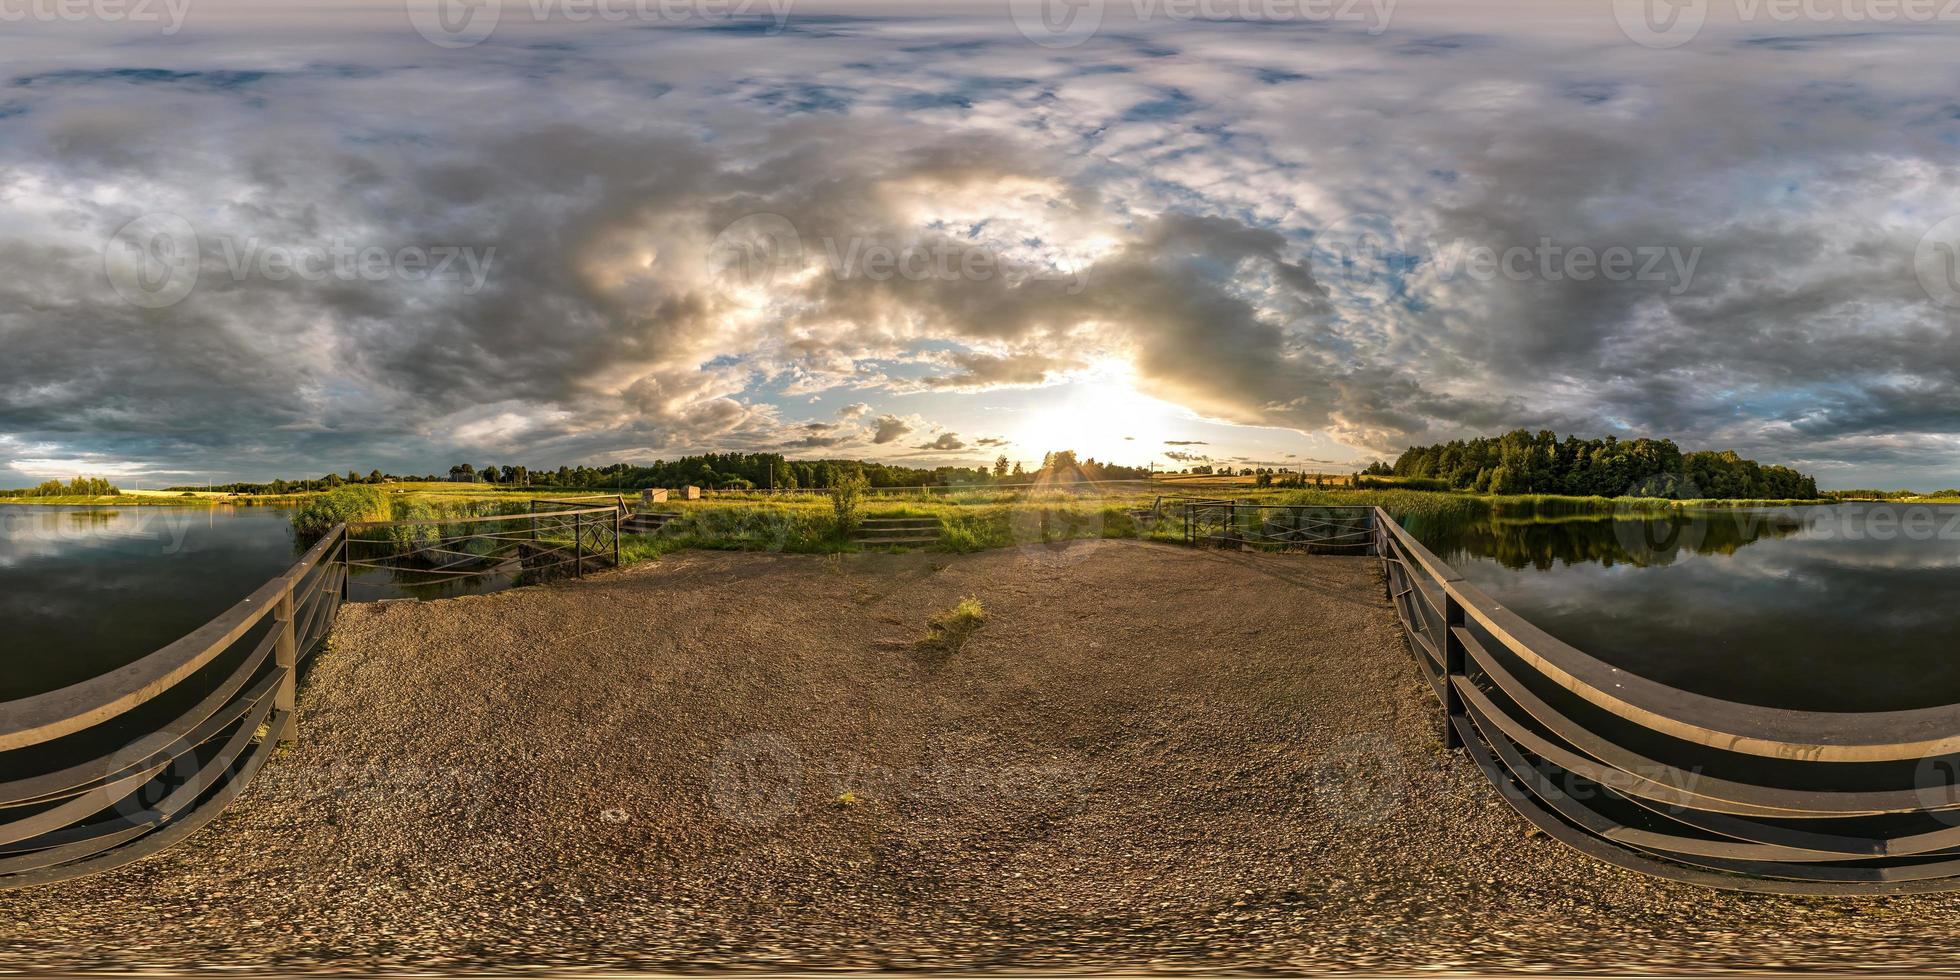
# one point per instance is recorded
(123, 500)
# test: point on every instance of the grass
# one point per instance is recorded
(125, 499)
(948, 632)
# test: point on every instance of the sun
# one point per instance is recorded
(1101, 417)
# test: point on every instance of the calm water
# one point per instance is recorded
(1847, 607)
(86, 590)
(1844, 607)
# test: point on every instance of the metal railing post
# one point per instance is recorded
(1453, 667)
(616, 538)
(578, 545)
(285, 654)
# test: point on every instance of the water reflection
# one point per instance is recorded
(1542, 542)
(86, 590)
(1844, 607)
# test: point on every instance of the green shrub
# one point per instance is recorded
(846, 504)
(341, 506)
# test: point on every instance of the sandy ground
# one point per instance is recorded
(1149, 758)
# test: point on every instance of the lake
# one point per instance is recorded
(1846, 607)
(84, 590)
(1841, 607)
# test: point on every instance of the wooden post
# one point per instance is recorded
(1453, 667)
(285, 654)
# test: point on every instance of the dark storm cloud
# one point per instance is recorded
(1176, 202)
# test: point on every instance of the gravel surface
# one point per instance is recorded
(1148, 758)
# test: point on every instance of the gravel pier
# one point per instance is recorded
(1149, 758)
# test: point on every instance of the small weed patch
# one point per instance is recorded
(948, 632)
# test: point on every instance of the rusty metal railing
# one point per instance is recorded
(1672, 783)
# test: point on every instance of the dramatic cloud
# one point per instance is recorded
(256, 254)
(947, 442)
(889, 428)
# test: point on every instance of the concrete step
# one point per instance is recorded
(910, 539)
(646, 523)
(900, 522)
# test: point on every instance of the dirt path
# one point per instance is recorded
(1149, 757)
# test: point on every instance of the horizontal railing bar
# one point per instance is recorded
(188, 791)
(164, 828)
(1748, 855)
(1774, 843)
(1810, 736)
(45, 717)
(1745, 799)
(424, 522)
(78, 778)
(1552, 826)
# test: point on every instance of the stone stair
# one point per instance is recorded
(897, 531)
(652, 523)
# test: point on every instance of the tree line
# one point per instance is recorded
(1524, 462)
(722, 471)
(81, 486)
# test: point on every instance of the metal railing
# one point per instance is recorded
(1672, 783)
(1314, 528)
(521, 548)
(116, 768)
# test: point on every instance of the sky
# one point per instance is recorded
(243, 242)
